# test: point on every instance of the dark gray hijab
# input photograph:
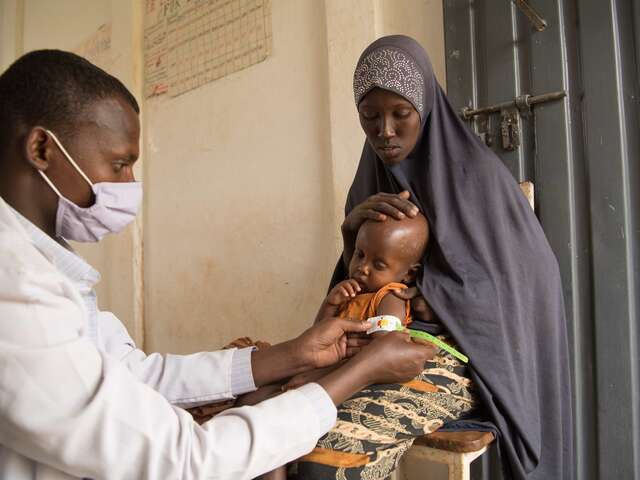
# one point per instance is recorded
(490, 275)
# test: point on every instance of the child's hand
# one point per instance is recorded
(343, 292)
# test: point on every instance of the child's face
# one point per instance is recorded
(379, 258)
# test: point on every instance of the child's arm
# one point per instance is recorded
(392, 305)
(338, 296)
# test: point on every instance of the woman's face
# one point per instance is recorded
(391, 124)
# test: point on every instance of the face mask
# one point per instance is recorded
(115, 207)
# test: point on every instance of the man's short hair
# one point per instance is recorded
(52, 88)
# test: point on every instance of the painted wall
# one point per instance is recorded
(236, 222)
(245, 178)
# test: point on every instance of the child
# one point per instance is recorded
(387, 257)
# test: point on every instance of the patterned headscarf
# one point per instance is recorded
(391, 69)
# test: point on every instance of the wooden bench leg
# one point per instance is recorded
(458, 464)
(459, 467)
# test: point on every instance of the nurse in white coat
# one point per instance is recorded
(77, 399)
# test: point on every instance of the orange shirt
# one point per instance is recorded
(365, 305)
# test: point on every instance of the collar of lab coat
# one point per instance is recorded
(66, 261)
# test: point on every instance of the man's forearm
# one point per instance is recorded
(278, 362)
(343, 382)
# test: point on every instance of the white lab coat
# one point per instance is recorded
(184, 380)
(68, 410)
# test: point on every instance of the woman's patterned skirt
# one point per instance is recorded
(377, 425)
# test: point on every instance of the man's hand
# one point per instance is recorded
(327, 341)
(322, 345)
(391, 358)
(395, 357)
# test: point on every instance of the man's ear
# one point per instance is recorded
(412, 273)
(37, 148)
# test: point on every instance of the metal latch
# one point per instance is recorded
(510, 129)
(510, 113)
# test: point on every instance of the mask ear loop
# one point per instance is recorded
(66, 154)
(53, 187)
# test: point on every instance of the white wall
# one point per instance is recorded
(237, 172)
(11, 26)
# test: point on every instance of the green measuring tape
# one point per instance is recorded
(436, 341)
(390, 322)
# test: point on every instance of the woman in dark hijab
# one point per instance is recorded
(489, 276)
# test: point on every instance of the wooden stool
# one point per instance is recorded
(455, 449)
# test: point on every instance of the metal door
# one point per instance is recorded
(583, 155)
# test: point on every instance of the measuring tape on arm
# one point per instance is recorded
(390, 323)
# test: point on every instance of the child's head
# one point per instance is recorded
(389, 251)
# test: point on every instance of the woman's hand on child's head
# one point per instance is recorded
(343, 292)
(379, 207)
(394, 358)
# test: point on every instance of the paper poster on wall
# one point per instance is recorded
(188, 43)
(97, 48)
